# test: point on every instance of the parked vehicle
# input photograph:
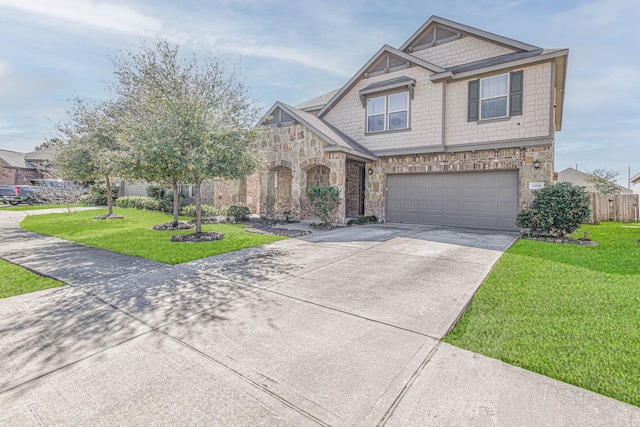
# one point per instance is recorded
(16, 194)
(57, 184)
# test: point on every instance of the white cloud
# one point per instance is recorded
(103, 15)
(307, 58)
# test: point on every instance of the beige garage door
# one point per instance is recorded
(472, 199)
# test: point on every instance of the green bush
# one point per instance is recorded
(93, 199)
(371, 219)
(98, 195)
(208, 211)
(557, 209)
(141, 202)
(156, 192)
(324, 201)
(239, 213)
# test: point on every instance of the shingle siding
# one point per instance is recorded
(461, 51)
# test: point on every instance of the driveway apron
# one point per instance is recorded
(336, 328)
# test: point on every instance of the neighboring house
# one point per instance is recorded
(635, 182)
(19, 168)
(451, 128)
(577, 177)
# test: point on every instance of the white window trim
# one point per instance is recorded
(506, 95)
(387, 112)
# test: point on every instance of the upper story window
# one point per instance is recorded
(495, 97)
(388, 112)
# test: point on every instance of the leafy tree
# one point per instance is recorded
(89, 149)
(324, 201)
(187, 120)
(557, 209)
(604, 181)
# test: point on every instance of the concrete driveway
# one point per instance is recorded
(337, 328)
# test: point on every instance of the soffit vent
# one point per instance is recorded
(434, 36)
(387, 64)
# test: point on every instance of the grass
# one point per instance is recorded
(565, 311)
(39, 207)
(134, 236)
(17, 281)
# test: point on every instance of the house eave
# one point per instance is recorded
(505, 41)
(357, 76)
(351, 153)
(448, 75)
(474, 146)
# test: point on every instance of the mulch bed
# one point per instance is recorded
(562, 240)
(208, 236)
(269, 227)
(168, 226)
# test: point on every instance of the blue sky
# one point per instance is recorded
(52, 51)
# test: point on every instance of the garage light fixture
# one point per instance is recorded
(370, 171)
(536, 164)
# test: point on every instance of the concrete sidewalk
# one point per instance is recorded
(336, 328)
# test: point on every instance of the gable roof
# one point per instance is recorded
(635, 178)
(14, 159)
(505, 41)
(317, 102)
(577, 177)
(44, 154)
(337, 140)
(386, 49)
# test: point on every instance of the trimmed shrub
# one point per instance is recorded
(324, 200)
(207, 211)
(371, 219)
(557, 210)
(238, 213)
(141, 202)
(98, 195)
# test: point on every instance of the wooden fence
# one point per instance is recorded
(614, 207)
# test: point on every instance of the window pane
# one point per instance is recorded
(375, 123)
(496, 107)
(375, 105)
(398, 120)
(399, 101)
(494, 86)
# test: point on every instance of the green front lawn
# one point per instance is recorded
(134, 236)
(565, 311)
(15, 280)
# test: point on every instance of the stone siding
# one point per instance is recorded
(462, 51)
(534, 121)
(296, 149)
(520, 159)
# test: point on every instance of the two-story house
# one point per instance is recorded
(454, 127)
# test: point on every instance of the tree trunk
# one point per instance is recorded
(109, 195)
(198, 185)
(176, 202)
